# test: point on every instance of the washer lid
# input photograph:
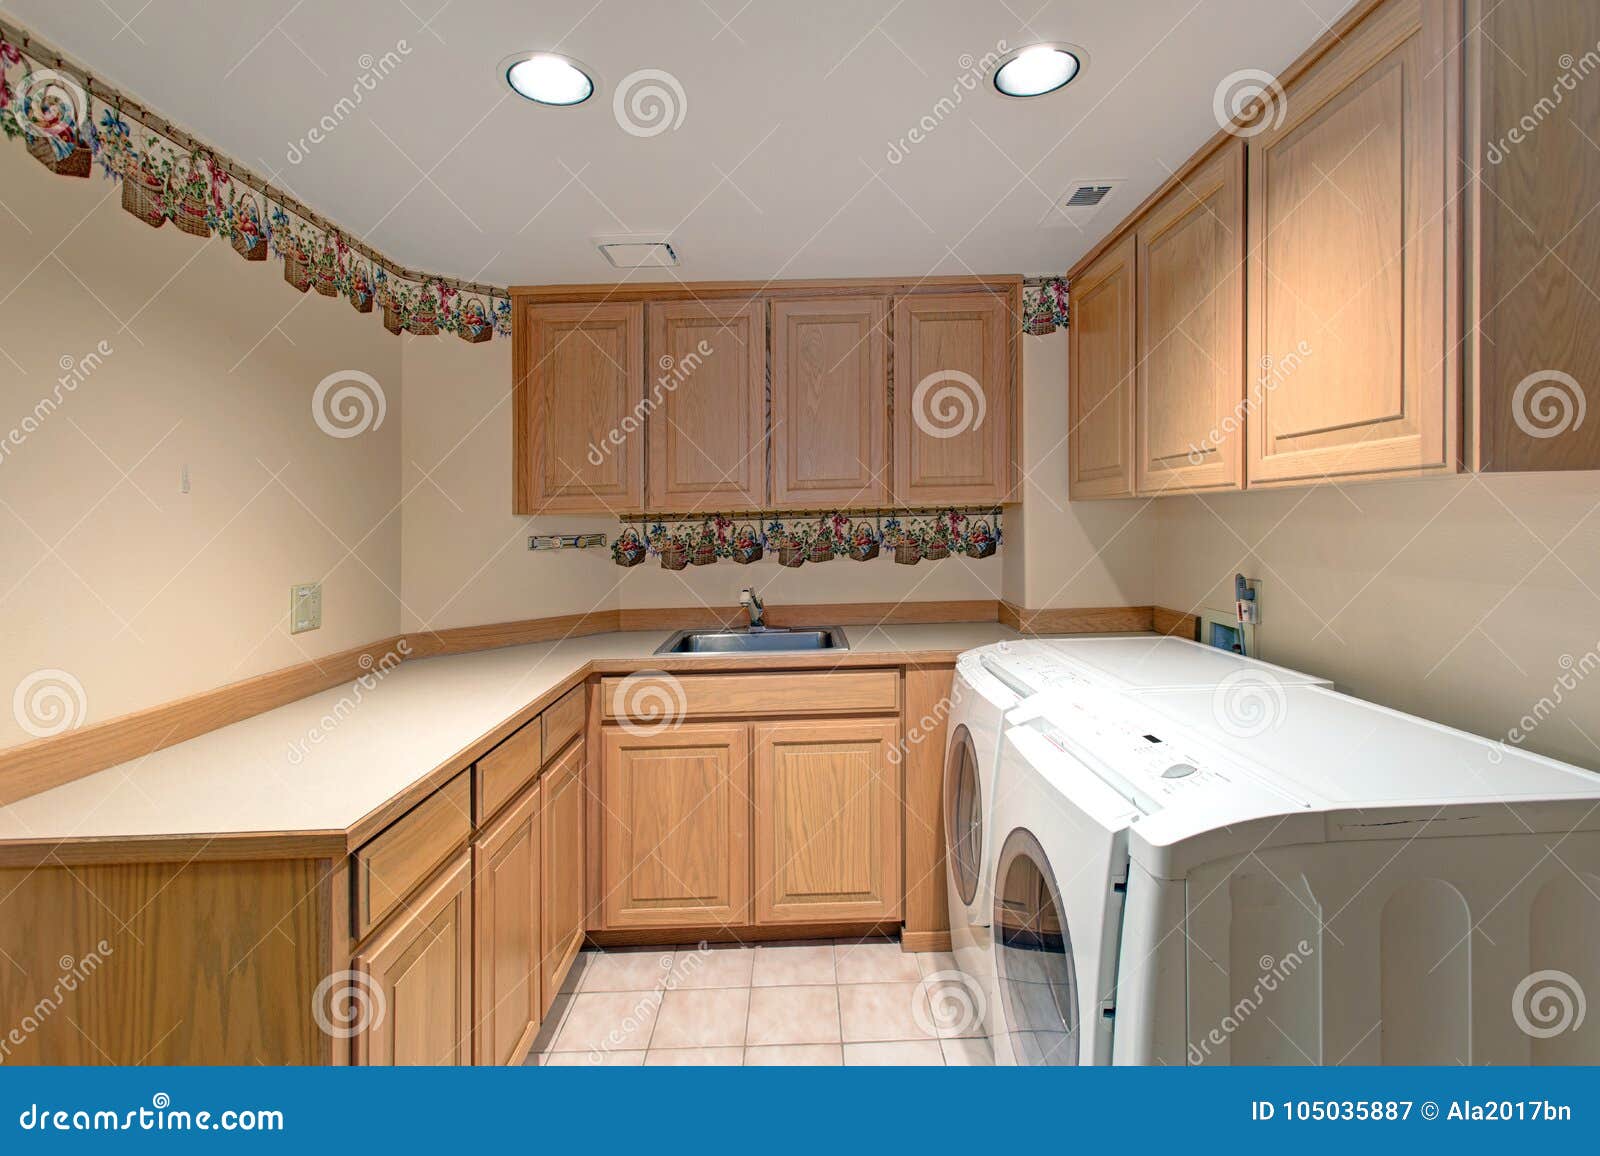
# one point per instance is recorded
(1151, 661)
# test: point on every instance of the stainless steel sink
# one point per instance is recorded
(774, 639)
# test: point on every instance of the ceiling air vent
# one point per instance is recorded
(1081, 202)
(652, 251)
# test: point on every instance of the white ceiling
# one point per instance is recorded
(780, 165)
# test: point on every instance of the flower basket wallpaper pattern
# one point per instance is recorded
(72, 125)
(72, 130)
(904, 537)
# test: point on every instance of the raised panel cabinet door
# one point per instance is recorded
(562, 910)
(418, 975)
(706, 404)
(952, 398)
(675, 832)
(505, 907)
(1101, 360)
(1538, 250)
(827, 821)
(1189, 389)
(1353, 272)
(830, 402)
(578, 396)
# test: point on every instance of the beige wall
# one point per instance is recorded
(138, 591)
(1463, 600)
(1069, 553)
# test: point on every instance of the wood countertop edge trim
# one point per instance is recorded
(219, 847)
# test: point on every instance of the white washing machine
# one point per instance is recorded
(989, 681)
(1349, 885)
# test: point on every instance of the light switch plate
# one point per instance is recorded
(305, 607)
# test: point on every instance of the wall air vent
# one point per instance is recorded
(629, 251)
(1082, 201)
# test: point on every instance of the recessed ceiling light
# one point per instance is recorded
(549, 78)
(1037, 69)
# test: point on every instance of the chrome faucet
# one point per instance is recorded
(751, 601)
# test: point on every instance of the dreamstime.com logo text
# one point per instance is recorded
(974, 71)
(1274, 974)
(160, 1116)
(373, 70)
(76, 371)
(1574, 672)
(674, 372)
(74, 972)
(376, 671)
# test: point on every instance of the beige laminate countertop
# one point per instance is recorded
(325, 763)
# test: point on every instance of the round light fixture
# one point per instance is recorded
(548, 78)
(1037, 69)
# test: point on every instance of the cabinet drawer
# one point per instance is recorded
(562, 720)
(508, 768)
(740, 695)
(388, 867)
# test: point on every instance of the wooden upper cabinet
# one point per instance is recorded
(1102, 356)
(1538, 239)
(1190, 380)
(830, 402)
(952, 398)
(707, 405)
(421, 966)
(675, 826)
(827, 821)
(1353, 272)
(578, 395)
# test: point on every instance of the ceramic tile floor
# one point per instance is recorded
(818, 1002)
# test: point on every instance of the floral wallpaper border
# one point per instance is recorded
(73, 124)
(906, 536)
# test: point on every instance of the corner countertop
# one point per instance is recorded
(342, 762)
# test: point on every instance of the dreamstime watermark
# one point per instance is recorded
(674, 372)
(1572, 71)
(1575, 671)
(373, 70)
(948, 1005)
(948, 403)
(49, 702)
(1274, 974)
(53, 106)
(676, 967)
(347, 1003)
(1274, 372)
(649, 102)
(348, 403)
(161, 1116)
(648, 702)
(974, 71)
(73, 973)
(1249, 102)
(376, 671)
(922, 729)
(1548, 1003)
(1547, 403)
(1249, 703)
(76, 371)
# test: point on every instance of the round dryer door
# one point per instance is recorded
(1033, 956)
(963, 814)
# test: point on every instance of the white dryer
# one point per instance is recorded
(1156, 662)
(1346, 885)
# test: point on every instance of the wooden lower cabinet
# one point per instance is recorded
(675, 826)
(561, 879)
(418, 975)
(827, 821)
(506, 875)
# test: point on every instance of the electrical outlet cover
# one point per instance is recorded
(305, 607)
